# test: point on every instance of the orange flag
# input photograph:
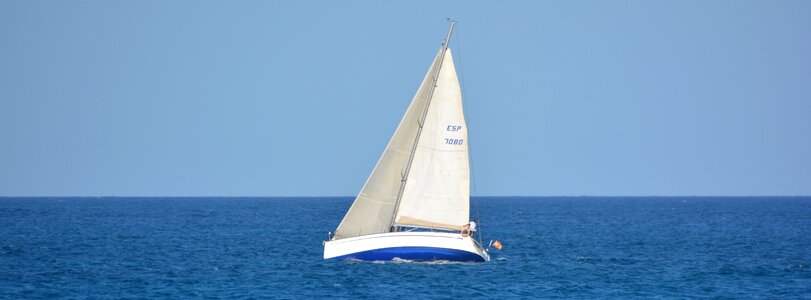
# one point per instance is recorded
(497, 244)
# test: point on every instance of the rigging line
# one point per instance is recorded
(470, 147)
(467, 95)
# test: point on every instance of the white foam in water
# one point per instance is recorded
(398, 260)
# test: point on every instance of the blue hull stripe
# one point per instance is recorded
(414, 253)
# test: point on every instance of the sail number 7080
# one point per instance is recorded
(450, 141)
(454, 141)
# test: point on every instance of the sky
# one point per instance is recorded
(299, 98)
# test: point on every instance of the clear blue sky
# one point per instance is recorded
(275, 98)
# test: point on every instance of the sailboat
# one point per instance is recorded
(415, 204)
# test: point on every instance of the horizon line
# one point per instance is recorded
(483, 196)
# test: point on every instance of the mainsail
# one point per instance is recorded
(437, 187)
(437, 192)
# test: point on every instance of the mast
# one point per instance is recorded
(421, 122)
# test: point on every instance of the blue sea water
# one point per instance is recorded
(554, 247)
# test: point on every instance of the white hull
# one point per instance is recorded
(407, 245)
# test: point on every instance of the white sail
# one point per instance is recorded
(437, 191)
(373, 209)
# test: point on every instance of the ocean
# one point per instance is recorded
(554, 247)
